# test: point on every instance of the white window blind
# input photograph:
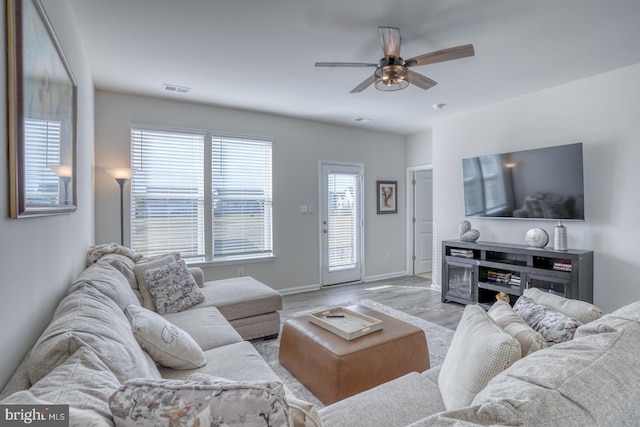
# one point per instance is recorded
(176, 207)
(342, 220)
(167, 193)
(42, 150)
(242, 199)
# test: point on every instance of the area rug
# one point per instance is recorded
(438, 338)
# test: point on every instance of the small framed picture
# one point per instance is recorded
(387, 196)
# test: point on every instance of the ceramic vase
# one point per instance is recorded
(560, 237)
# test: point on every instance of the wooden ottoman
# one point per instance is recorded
(334, 368)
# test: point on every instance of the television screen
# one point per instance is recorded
(543, 183)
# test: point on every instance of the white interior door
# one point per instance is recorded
(340, 223)
(423, 214)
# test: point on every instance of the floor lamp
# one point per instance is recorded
(122, 176)
(65, 173)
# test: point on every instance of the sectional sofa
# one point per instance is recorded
(116, 362)
(490, 378)
(102, 336)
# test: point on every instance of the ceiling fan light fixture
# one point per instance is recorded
(391, 78)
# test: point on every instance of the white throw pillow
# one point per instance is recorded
(582, 311)
(165, 342)
(142, 402)
(530, 340)
(479, 351)
(144, 265)
(173, 287)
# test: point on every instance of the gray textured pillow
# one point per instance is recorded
(480, 350)
(165, 342)
(554, 326)
(220, 403)
(145, 265)
(172, 287)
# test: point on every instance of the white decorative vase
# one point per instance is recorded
(560, 237)
(537, 238)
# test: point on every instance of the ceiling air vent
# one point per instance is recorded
(177, 89)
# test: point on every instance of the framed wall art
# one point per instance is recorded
(387, 196)
(42, 105)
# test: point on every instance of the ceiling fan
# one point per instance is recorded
(392, 72)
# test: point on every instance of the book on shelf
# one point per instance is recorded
(496, 276)
(464, 253)
(562, 265)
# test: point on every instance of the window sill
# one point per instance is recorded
(230, 261)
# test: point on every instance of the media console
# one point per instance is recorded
(475, 272)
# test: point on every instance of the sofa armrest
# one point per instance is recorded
(198, 275)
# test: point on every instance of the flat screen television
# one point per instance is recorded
(542, 183)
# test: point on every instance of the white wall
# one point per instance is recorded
(299, 145)
(601, 112)
(420, 149)
(41, 256)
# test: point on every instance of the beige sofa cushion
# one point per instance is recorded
(530, 340)
(165, 342)
(240, 297)
(582, 311)
(77, 417)
(124, 265)
(206, 326)
(88, 318)
(395, 403)
(108, 281)
(583, 382)
(479, 351)
(82, 381)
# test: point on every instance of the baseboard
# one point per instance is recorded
(299, 289)
(385, 276)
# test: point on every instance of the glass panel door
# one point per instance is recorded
(341, 223)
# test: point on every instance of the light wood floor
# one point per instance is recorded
(411, 294)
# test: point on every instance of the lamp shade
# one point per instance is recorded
(63, 171)
(121, 173)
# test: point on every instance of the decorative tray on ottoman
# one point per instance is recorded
(345, 323)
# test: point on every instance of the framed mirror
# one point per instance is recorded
(42, 115)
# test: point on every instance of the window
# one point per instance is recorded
(206, 196)
(42, 149)
(484, 185)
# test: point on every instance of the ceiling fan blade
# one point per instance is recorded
(345, 64)
(390, 39)
(419, 80)
(441, 55)
(365, 84)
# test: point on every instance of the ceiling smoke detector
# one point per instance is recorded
(176, 89)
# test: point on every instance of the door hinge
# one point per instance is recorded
(413, 257)
(413, 219)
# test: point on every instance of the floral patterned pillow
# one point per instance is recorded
(172, 287)
(554, 326)
(215, 403)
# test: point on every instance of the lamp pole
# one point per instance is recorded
(122, 182)
(121, 176)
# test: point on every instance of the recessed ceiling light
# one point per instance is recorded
(439, 106)
(362, 120)
(176, 88)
